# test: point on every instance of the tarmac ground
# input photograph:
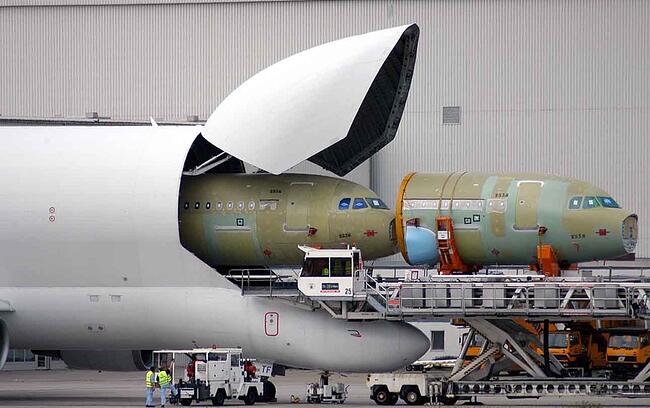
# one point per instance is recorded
(61, 387)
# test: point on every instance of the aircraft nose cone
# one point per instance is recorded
(413, 344)
(396, 345)
(630, 233)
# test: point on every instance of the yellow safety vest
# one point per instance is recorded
(148, 379)
(164, 378)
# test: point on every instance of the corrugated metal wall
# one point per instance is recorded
(547, 86)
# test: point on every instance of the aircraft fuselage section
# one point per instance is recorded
(497, 218)
(260, 219)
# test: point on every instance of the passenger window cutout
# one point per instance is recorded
(186, 205)
(219, 205)
(575, 203)
(229, 205)
(344, 204)
(269, 205)
(590, 202)
(207, 205)
(608, 202)
(359, 203)
(197, 205)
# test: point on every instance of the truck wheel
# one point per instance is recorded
(251, 396)
(219, 398)
(186, 402)
(381, 396)
(411, 396)
(268, 391)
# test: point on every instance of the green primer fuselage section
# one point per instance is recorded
(496, 217)
(260, 219)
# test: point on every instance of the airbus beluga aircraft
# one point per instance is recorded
(110, 236)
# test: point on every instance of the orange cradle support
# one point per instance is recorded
(450, 261)
(547, 260)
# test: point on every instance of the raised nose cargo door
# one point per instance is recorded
(298, 206)
(528, 193)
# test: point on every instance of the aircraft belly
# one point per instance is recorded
(148, 318)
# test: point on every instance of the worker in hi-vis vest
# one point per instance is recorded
(150, 383)
(165, 382)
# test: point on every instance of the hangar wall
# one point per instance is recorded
(547, 86)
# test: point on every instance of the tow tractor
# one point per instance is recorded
(324, 392)
(218, 374)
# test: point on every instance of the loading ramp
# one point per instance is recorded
(499, 307)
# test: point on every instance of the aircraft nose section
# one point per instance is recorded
(630, 232)
(412, 345)
(377, 235)
(393, 345)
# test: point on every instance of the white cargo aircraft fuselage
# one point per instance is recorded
(91, 263)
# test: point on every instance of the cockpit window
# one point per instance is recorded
(590, 202)
(359, 203)
(376, 203)
(575, 203)
(344, 204)
(608, 202)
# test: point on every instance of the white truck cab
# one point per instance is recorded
(218, 375)
(332, 274)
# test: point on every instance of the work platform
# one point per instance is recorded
(499, 307)
(461, 296)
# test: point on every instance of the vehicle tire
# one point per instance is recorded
(268, 391)
(186, 402)
(447, 400)
(219, 398)
(411, 396)
(251, 396)
(381, 395)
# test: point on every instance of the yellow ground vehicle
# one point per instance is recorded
(474, 348)
(628, 353)
(579, 349)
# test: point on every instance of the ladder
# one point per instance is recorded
(450, 261)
